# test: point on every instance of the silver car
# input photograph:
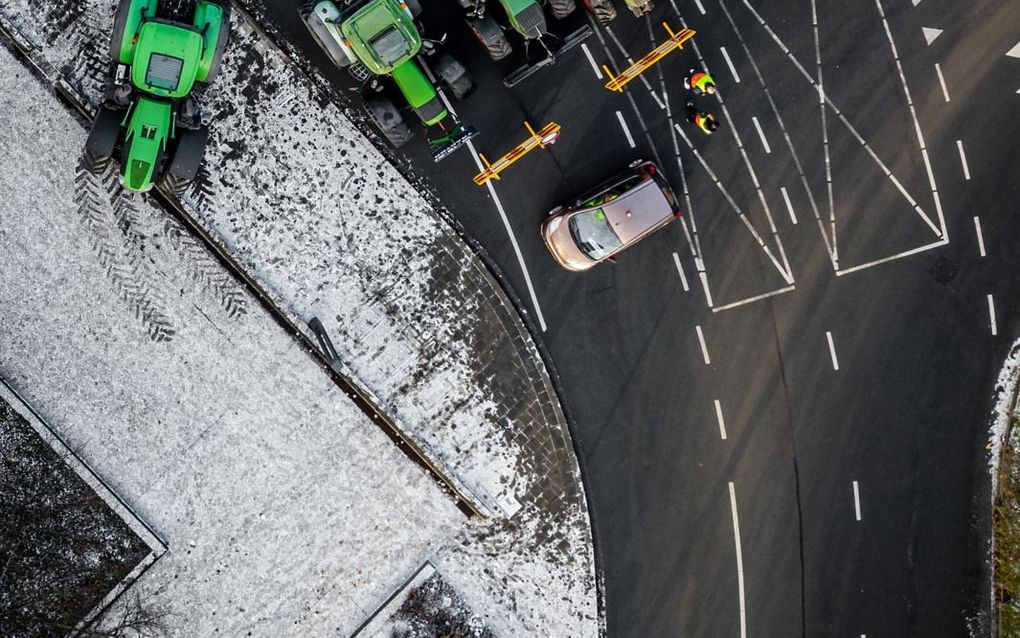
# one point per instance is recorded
(616, 214)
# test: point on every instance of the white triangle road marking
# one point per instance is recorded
(930, 34)
(1015, 51)
(916, 2)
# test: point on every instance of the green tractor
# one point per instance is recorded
(374, 39)
(147, 120)
(527, 19)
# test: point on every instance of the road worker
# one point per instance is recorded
(699, 82)
(704, 121)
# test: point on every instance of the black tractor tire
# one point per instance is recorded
(186, 160)
(221, 44)
(102, 139)
(388, 120)
(454, 76)
(490, 36)
(414, 7)
(603, 10)
(119, 25)
(322, 36)
(561, 8)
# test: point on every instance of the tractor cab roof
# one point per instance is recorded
(166, 59)
(382, 35)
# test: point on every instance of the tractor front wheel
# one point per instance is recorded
(119, 26)
(603, 10)
(102, 139)
(561, 8)
(186, 160)
(388, 120)
(490, 36)
(454, 75)
(221, 44)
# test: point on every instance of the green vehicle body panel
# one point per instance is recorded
(513, 8)
(140, 11)
(149, 126)
(372, 20)
(180, 43)
(416, 87)
(208, 18)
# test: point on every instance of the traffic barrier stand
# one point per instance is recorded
(675, 41)
(542, 138)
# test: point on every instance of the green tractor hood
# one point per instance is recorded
(148, 128)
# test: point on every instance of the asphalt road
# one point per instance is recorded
(818, 466)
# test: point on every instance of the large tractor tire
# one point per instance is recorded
(322, 36)
(186, 160)
(221, 44)
(414, 7)
(388, 120)
(102, 139)
(454, 75)
(561, 8)
(490, 36)
(603, 10)
(119, 26)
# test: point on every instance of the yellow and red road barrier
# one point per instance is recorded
(675, 41)
(538, 139)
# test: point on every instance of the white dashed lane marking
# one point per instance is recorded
(789, 205)
(591, 60)
(718, 416)
(832, 350)
(942, 81)
(680, 269)
(708, 360)
(857, 501)
(729, 63)
(963, 160)
(991, 316)
(626, 131)
(761, 134)
(980, 236)
(701, 8)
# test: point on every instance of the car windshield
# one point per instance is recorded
(164, 71)
(593, 234)
(390, 46)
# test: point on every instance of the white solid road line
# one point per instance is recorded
(680, 269)
(942, 81)
(980, 237)
(963, 160)
(700, 7)
(718, 415)
(708, 361)
(729, 62)
(832, 350)
(761, 134)
(857, 501)
(591, 60)
(789, 206)
(740, 561)
(744, 302)
(626, 131)
(991, 315)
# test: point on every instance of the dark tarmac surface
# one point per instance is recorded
(906, 414)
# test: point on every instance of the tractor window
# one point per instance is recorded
(390, 46)
(164, 71)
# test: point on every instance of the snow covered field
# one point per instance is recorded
(281, 503)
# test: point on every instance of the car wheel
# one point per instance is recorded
(388, 120)
(490, 36)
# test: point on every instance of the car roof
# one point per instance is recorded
(637, 210)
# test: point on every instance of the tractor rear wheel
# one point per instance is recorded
(186, 160)
(603, 10)
(119, 25)
(561, 8)
(490, 36)
(454, 75)
(102, 139)
(221, 44)
(388, 120)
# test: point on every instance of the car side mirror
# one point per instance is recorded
(611, 259)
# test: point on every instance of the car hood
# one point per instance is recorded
(638, 212)
(557, 238)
